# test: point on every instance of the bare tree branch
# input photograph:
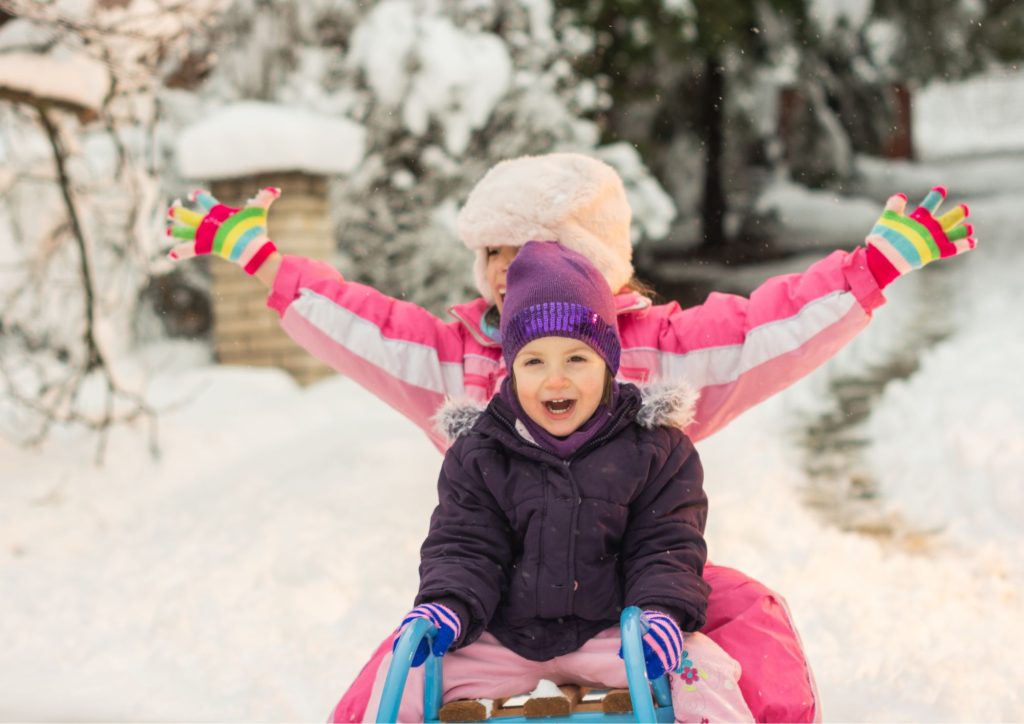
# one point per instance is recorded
(92, 264)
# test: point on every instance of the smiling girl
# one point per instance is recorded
(568, 498)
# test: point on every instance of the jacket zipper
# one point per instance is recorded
(612, 429)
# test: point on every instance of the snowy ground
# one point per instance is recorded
(248, 573)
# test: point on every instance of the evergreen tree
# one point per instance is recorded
(675, 69)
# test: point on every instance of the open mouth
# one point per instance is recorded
(560, 408)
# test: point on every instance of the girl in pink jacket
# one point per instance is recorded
(734, 351)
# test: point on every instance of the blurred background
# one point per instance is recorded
(377, 117)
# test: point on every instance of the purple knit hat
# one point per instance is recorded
(555, 292)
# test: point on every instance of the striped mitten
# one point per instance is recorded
(663, 643)
(448, 629)
(898, 244)
(238, 235)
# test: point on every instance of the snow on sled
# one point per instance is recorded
(647, 701)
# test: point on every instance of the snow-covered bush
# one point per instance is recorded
(444, 89)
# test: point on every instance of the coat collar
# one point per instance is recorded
(471, 314)
(662, 404)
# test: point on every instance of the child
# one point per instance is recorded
(735, 352)
(567, 499)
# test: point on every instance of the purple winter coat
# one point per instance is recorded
(544, 553)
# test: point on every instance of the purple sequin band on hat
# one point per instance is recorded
(561, 319)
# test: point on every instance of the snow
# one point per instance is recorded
(979, 116)
(253, 137)
(545, 690)
(826, 14)
(66, 77)
(431, 69)
(974, 463)
(814, 217)
(653, 209)
(248, 573)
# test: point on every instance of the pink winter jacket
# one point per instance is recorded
(735, 351)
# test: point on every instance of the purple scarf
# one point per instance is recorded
(563, 447)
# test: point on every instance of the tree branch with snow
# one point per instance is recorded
(82, 203)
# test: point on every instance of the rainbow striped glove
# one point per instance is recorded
(898, 244)
(663, 644)
(238, 235)
(448, 629)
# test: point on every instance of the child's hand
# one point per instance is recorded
(663, 644)
(238, 235)
(898, 244)
(448, 629)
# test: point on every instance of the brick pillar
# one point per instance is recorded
(245, 331)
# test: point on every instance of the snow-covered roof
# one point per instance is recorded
(254, 137)
(66, 78)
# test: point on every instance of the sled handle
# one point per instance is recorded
(636, 671)
(632, 652)
(398, 672)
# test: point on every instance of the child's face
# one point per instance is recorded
(559, 382)
(498, 259)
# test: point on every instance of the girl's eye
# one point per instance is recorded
(491, 251)
(578, 358)
(532, 361)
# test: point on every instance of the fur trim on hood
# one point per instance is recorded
(456, 417)
(576, 200)
(665, 404)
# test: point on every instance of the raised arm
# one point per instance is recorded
(739, 351)
(397, 350)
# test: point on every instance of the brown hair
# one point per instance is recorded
(609, 378)
(640, 287)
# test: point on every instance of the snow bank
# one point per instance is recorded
(242, 577)
(252, 137)
(977, 116)
(948, 443)
(813, 218)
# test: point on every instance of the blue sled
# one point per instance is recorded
(636, 673)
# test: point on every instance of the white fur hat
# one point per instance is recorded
(573, 199)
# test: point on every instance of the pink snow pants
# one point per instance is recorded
(749, 621)
(707, 690)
